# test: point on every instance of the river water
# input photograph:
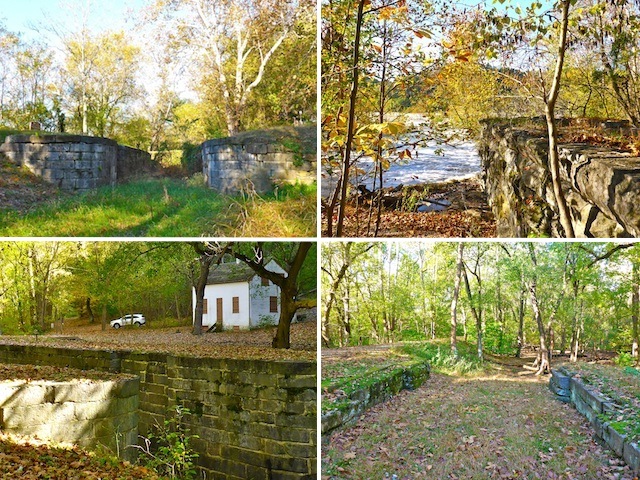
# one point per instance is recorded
(430, 164)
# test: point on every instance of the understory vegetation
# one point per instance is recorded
(506, 298)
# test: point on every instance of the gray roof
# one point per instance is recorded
(230, 273)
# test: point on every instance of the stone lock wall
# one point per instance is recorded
(259, 160)
(90, 413)
(602, 186)
(573, 390)
(348, 410)
(75, 162)
(255, 419)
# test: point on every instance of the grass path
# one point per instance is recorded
(504, 424)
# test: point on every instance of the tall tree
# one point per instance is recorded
(292, 258)
(237, 40)
(209, 253)
(454, 300)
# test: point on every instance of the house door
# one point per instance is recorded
(218, 314)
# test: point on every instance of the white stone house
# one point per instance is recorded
(236, 297)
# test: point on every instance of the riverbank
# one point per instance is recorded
(467, 215)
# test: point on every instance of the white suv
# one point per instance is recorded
(136, 319)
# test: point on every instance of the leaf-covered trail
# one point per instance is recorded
(502, 426)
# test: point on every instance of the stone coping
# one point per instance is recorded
(600, 183)
(59, 139)
(305, 137)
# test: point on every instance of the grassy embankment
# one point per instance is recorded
(167, 207)
(480, 421)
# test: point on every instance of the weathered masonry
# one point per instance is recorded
(75, 162)
(255, 419)
(259, 160)
(573, 390)
(347, 410)
(91, 413)
(602, 186)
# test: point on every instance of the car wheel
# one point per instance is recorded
(116, 325)
(137, 324)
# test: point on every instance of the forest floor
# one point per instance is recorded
(248, 344)
(32, 459)
(468, 216)
(500, 423)
(162, 207)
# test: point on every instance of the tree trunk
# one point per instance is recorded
(92, 317)
(346, 318)
(287, 311)
(346, 255)
(201, 283)
(350, 120)
(521, 340)
(178, 314)
(104, 317)
(476, 314)
(454, 302)
(575, 327)
(635, 307)
(550, 104)
(543, 362)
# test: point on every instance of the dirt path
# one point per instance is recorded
(505, 425)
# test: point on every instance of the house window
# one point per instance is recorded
(236, 304)
(265, 282)
(205, 306)
(273, 304)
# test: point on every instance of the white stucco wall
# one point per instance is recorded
(226, 291)
(260, 303)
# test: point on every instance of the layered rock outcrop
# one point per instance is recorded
(602, 186)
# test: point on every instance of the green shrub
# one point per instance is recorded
(167, 448)
(412, 335)
(191, 158)
(440, 357)
(625, 359)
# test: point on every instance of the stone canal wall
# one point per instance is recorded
(75, 162)
(596, 409)
(260, 160)
(601, 185)
(254, 419)
(346, 409)
(91, 413)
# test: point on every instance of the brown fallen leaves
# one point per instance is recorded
(503, 426)
(34, 373)
(21, 191)
(31, 460)
(468, 216)
(251, 345)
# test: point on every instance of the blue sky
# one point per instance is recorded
(110, 14)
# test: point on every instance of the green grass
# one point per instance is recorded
(163, 208)
(438, 355)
